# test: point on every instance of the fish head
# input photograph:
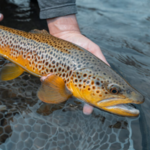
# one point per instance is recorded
(105, 89)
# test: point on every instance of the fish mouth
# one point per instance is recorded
(121, 106)
(117, 100)
(122, 110)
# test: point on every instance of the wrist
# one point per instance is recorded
(63, 24)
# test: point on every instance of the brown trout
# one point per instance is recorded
(65, 70)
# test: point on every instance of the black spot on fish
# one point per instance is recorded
(97, 83)
(88, 82)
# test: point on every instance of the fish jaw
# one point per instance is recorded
(122, 110)
(116, 101)
(120, 105)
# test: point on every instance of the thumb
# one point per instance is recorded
(87, 109)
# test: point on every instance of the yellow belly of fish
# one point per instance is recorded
(18, 59)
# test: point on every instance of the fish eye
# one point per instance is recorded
(114, 89)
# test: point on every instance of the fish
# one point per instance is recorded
(66, 70)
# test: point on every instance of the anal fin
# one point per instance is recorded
(10, 71)
(53, 90)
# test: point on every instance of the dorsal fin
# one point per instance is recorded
(36, 31)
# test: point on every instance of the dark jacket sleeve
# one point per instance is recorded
(56, 8)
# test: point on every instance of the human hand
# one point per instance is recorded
(1, 17)
(67, 28)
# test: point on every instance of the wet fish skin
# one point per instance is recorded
(84, 75)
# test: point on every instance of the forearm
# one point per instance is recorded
(63, 24)
(55, 8)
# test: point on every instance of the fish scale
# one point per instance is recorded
(84, 75)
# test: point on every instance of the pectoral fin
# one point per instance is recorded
(10, 71)
(36, 31)
(53, 90)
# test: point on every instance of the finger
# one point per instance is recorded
(94, 49)
(100, 55)
(87, 109)
(1, 17)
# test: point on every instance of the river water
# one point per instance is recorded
(122, 30)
